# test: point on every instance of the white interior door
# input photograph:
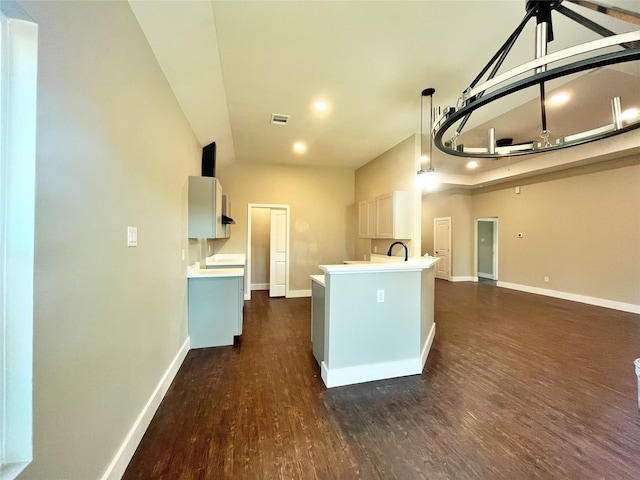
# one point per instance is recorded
(278, 254)
(442, 244)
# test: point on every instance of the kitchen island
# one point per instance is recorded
(372, 321)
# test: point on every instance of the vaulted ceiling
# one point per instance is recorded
(232, 64)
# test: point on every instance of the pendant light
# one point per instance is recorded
(427, 179)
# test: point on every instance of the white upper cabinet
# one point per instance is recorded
(205, 208)
(371, 223)
(367, 219)
(388, 216)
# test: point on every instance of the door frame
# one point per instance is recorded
(247, 270)
(435, 242)
(476, 253)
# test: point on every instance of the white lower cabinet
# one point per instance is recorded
(215, 310)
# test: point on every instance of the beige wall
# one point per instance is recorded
(395, 169)
(580, 228)
(457, 205)
(321, 200)
(113, 149)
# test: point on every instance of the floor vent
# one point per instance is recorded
(278, 119)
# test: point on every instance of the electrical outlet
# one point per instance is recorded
(380, 296)
(375, 249)
(183, 254)
(546, 279)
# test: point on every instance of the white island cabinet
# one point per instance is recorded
(372, 321)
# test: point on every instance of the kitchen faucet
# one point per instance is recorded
(406, 250)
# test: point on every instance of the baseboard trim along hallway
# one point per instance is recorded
(127, 449)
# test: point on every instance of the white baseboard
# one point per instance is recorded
(368, 373)
(462, 279)
(118, 465)
(298, 293)
(427, 345)
(599, 302)
(259, 286)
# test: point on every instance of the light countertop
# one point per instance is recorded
(194, 271)
(226, 260)
(394, 264)
(319, 279)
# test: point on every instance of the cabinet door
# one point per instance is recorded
(384, 216)
(240, 304)
(367, 219)
(363, 219)
(213, 311)
(204, 208)
(371, 223)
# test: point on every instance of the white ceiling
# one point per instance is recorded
(232, 64)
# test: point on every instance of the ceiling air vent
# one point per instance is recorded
(278, 119)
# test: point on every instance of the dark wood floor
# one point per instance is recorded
(516, 386)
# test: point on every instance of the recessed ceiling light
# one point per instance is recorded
(320, 106)
(472, 164)
(630, 114)
(559, 98)
(299, 147)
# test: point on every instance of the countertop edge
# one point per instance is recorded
(226, 259)
(380, 267)
(194, 271)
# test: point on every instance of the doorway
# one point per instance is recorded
(486, 248)
(442, 246)
(267, 266)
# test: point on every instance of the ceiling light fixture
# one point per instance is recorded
(630, 114)
(320, 106)
(472, 164)
(612, 49)
(427, 179)
(299, 147)
(559, 98)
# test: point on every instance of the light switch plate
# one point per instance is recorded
(132, 236)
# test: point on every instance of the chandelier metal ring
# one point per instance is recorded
(498, 86)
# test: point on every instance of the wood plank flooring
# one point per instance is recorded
(517, 386)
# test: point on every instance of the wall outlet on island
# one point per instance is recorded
(380, 296)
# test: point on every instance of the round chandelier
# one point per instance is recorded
(613, 49)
